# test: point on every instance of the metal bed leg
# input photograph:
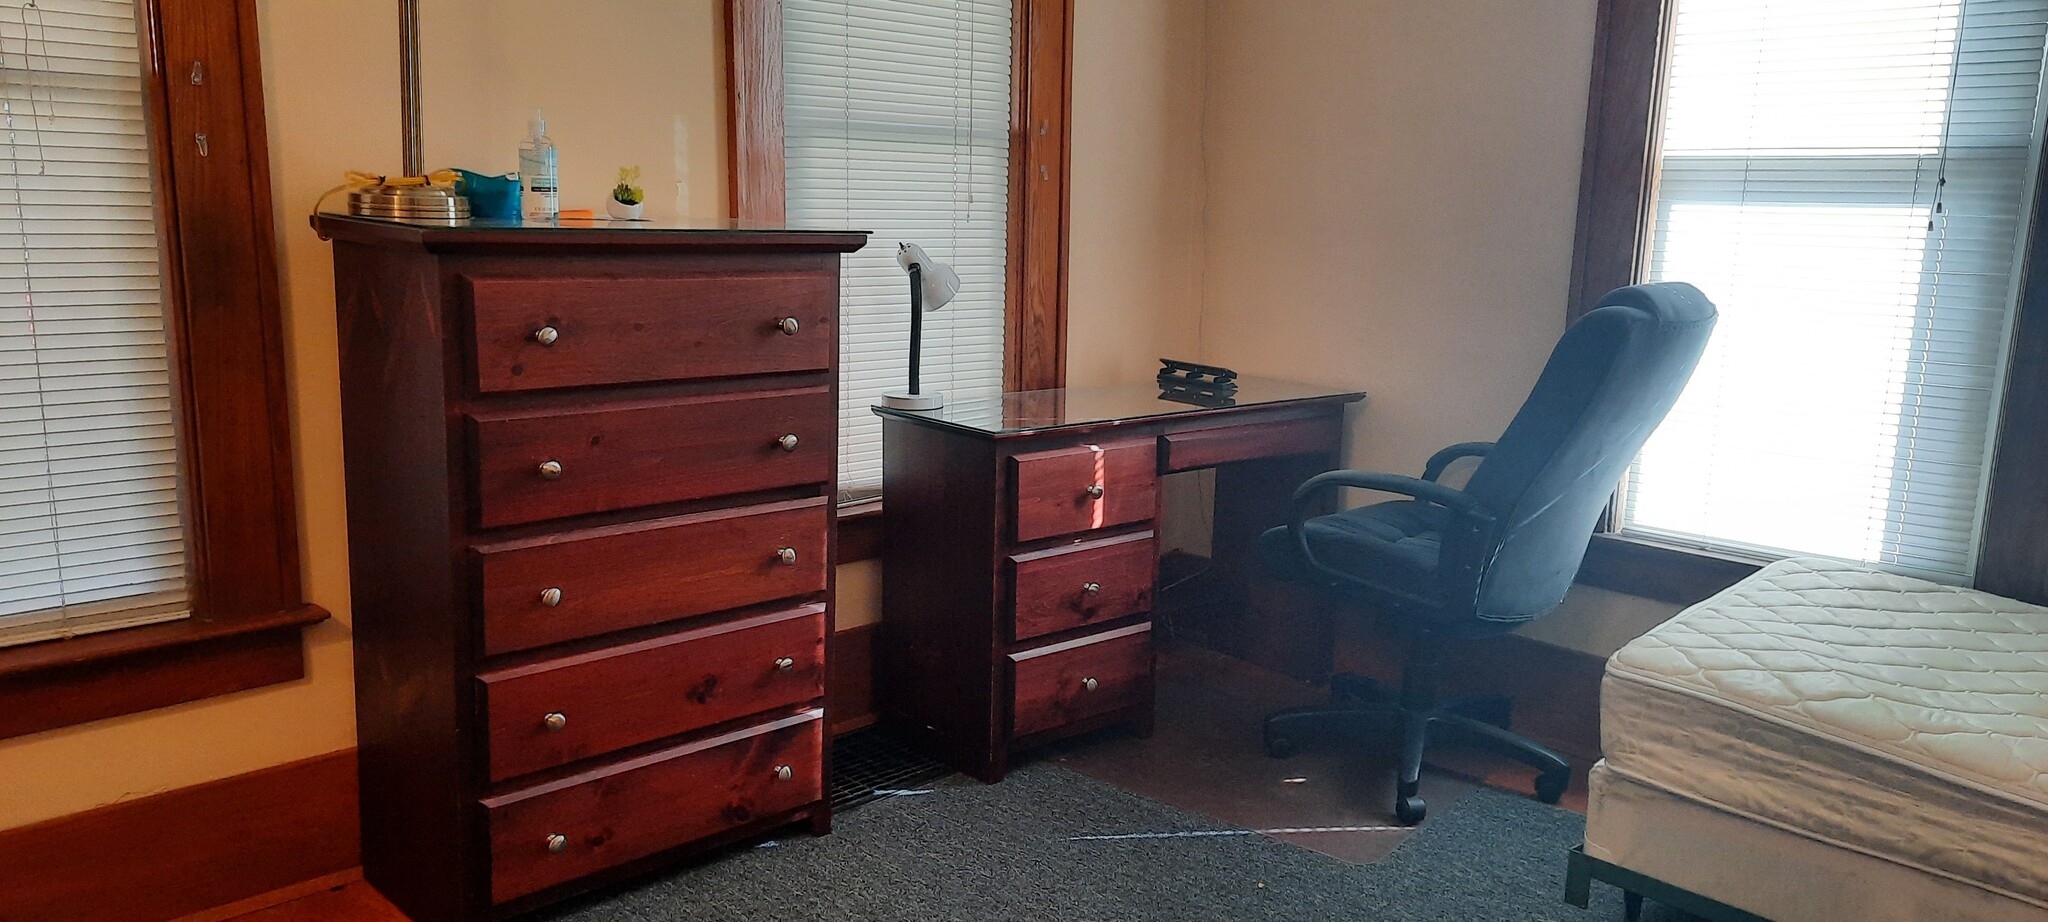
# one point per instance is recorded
(1631, 906)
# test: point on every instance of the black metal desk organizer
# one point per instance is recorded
(1197, 384)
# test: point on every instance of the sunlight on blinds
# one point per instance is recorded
(91, 536)
(897, 121)
(1848, 181)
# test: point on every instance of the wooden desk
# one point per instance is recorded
(1020, 553)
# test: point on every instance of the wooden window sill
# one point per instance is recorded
(860, 533)
(1661, 571)
(58, 683)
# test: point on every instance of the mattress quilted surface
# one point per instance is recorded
(1881, 713)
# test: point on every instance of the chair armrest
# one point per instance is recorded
(1442, 460)
(1427, 491)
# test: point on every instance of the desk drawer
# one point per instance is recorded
(1070, 682)
(611, 815)
(561, 710)
(1194, 449)
(1089, 583)
(534, 333)
(538, 591)
(537, 465)
(1067, 490)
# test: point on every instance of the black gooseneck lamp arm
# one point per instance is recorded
(916, 320)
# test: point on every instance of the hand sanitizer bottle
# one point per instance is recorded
(539, 189)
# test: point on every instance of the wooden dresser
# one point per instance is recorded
(1021, 549)
(591, 476)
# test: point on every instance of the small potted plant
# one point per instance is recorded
(627, 199)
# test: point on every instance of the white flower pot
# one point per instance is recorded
(623, 211)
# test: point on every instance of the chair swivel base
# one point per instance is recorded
(1360, 702)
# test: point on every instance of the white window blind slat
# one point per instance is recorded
(1849, 181)
(92, 533)
(897, 120)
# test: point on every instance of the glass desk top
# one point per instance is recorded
(1032, 411)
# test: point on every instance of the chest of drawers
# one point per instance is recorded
(590, 482)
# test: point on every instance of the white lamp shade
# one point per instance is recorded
(940, 282)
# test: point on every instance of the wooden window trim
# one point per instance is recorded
(219, 250)
(1042, 99)
(1617, 183)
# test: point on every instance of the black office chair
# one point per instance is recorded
(1454, 564)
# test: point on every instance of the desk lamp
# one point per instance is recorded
(932, 284)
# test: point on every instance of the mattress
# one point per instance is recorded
(1891, 716)
(1768, 871)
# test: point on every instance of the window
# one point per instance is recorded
(897, 117)
(1849, 181)
(143, 415)
(91, 533)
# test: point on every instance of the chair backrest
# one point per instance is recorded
(1609, 382)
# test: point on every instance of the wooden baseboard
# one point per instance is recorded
(850, 679)
(189, 850)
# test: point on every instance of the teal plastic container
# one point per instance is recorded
(489, 196)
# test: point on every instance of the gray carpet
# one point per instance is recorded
(972, 852)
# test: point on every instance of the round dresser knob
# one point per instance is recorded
(546, 336)
(556, 720)
(1094, 491)
(788, 442)
(1091, 588)
(551, 596)
(1089, 683)
(557, 843)
(784, 773)
(785, 663)
(786, 555)
(788, 325)
(550, 470)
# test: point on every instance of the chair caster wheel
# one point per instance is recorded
(1550, 786)
(1410, 810)
(1279, 747)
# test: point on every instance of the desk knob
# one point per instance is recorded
(1089, 683)
(557, 843)
(1094, 491)
(550, 470)
(546, 336)
(786, 555)
(1091, 588)
(788, 442)
(784, 773)
(555, 721)
(785, 663)
(551, 596)
(788, 326)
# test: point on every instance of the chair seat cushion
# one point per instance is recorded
(1394, 545)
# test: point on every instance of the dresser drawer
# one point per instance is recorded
(1069, 587)
(555, 832)
(538, 591)
(1067, 490)
(1069, 682)
(555, 712)
(536, 465)
(534, 333)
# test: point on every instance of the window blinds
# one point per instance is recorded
(1849, 181)
(897, 121)
(90, 529)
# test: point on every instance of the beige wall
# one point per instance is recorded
(1392, 188)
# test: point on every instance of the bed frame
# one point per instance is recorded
(1582, 869)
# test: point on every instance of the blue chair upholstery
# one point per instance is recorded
(1484, 559)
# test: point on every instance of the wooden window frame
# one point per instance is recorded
(1617, 185)
(221, 300)
(1035, 312)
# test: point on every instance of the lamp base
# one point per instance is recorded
(925, 401)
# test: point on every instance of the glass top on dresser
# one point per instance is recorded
(1113, 404)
